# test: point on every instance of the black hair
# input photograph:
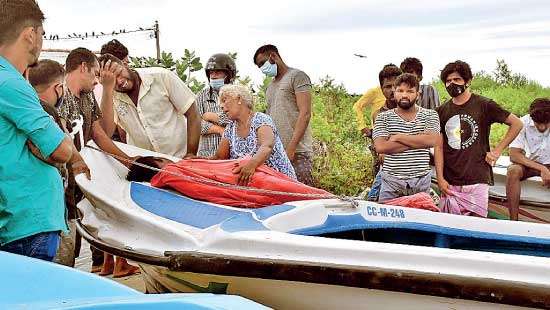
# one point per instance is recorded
(115, 48)
(268, 48)
(45, 72)
(411, 65)
(106, 57)
(459, 66)
(78, 56)
(540, 110)
(16, 15)
(407, 78)
(389, 71)
(142, 174)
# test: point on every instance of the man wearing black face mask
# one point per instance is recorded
(46, 77)
(405, 134)
(463, 157)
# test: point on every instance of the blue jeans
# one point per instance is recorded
(375, 189)
(42, 246)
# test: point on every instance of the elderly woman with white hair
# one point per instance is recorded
(250, 134)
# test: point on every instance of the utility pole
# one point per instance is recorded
(157, 39)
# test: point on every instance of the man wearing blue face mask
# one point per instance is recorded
(289, 105)
(220, 70)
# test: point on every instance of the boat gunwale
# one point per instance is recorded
(424, 283)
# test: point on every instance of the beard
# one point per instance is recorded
(405, 104)
(34, 54)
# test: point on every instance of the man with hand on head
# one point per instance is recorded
(156, 109)
(104, 95)
(83, 71)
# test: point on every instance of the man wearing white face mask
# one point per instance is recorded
(220, 70)
(289, 105)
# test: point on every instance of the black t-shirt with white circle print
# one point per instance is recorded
(465, 129)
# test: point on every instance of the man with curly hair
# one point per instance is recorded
(463, 157)
(530, 153)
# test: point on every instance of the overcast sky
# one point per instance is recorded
(320, 38)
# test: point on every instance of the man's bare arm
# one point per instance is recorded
(384, 146)
(105, 143)
(193, 130)
(421, 141)
(303, 101)
(517, 156)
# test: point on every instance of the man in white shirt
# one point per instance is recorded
(530, 153)
(157, 111)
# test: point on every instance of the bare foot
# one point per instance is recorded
(123, 269)
(108, 264)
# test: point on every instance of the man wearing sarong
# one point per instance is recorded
(463, 157)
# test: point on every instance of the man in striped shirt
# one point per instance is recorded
(405, 135)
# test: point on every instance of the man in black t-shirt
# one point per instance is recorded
(463, 158)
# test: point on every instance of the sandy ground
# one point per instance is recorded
(84, 262)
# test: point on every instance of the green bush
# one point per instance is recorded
(184, 67)
(342, 162)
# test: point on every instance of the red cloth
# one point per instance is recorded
(420, 200)
(221, 171)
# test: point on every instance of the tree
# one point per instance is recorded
(504, 77)
(183, 67)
